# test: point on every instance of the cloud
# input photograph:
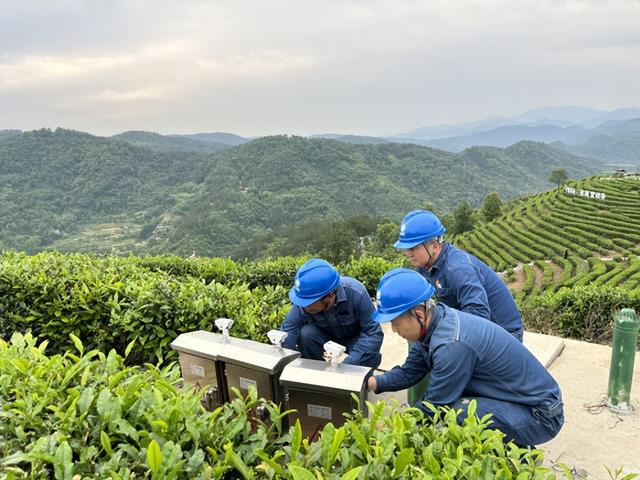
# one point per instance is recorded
(254, 67)
(139, 95)
(33, 70)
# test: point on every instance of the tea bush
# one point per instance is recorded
(585, 313)
(108, 302)
(87, 415)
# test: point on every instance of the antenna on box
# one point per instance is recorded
(224, 325)
(333, 351)
(276, 337)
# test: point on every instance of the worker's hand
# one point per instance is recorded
(372, 384)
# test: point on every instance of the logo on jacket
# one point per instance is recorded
(438, 284)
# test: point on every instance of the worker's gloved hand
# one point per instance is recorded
(372, 384)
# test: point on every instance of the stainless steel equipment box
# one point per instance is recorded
(320, 392)
(198, 357)
(220, 362)
(247, 363)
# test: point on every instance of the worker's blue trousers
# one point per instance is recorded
(312, 340)
(525, 425)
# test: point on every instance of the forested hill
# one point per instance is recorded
(280, 181)
(69, 190)
(57, 185)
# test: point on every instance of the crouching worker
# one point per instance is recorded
(468, 358)
(327, 306)
(462, 281)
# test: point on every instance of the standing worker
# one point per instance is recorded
(468, 358)
(461, 280)
(327, 306)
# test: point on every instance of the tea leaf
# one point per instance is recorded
(300, 473)
(106, 443)
(404, 458)
(77, 342)
(296, 439)
(63, 465)
(351, 474)
(154, 456)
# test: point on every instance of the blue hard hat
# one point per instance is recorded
(313, 280)
(418, 227)
(399, 290)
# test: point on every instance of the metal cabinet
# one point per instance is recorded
(248, 363)
(321, 392)
(221, 362)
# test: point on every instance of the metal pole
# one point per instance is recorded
(623, 354)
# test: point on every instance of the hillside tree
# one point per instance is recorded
(492, 206)
(462, 218)
(558, 176)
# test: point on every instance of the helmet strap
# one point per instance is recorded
(426, 249)
(424, 325)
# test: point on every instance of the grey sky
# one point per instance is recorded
(262, 67)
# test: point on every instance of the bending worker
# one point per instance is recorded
(462, 281)
(327, 306)
(468, 358)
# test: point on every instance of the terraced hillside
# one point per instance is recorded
(556, 239)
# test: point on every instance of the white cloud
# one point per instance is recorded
(33, 70)
(254, 67)
(139, 95)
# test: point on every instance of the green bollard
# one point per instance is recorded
(416, 392)
(623, 354)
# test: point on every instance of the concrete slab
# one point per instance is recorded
(592, 436)
(544, 347)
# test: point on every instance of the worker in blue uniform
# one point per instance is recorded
(462, 281)
(328, 306)
(468, 358)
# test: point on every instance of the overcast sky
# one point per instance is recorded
(304, 66)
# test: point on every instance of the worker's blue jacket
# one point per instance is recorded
(472, 357)
(349, 318)
(468, 284)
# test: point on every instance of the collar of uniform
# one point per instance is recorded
(438, 313)
(341, 294)
(441, 258)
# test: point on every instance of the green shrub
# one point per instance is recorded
(86, 415)
(584, 313)
(109, 302)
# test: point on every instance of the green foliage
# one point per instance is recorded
(492, 206)
(462, 219)
(585, 313)
(558, 176)
(110, 302)
(87, 415)
(71, 191)
(169, 143)
(575, 241)
(383, 240)
(57, 186)
(335, 241)
(274, 183)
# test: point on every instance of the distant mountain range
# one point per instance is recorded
(613, 136)
(196, 142)
(72, 191)
(559, 116)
